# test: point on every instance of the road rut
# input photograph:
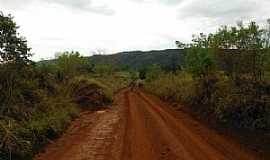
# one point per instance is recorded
(142, 127)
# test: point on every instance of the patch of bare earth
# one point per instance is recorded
(89, 138)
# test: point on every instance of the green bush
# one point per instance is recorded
(218, 97)
(89, 92)
(71, 64)
(179, 87)
(39, 100)
(23, 138)
(39, 107)
(241, 108)
(115, 81)
(231, 72)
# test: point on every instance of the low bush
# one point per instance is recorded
(115, 81)
(171, 87)
(47, 119)
(89, 92)
(217, 97)
(241, 108)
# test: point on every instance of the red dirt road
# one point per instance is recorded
(141, 127)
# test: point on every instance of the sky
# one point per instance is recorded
(110, 26)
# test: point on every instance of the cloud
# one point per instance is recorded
(56, 25)
(221, 10)
(85, 5)
(14, 4)
(170, 2)
(163, 2)
(76, 5)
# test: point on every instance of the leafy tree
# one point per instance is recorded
(71, 64)
(240, 96)
(13, 47)
(181, 45)
(249, 44)
(199, 59)
(15, 70)
(199, 62)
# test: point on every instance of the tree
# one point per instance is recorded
(181, 45)
(14, 68)
(199, 59)
(13, 47)
(71, 64)
(245, 45)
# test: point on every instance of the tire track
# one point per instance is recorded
(141, 127)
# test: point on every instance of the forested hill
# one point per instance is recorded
(170, 58)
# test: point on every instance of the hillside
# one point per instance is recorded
(169, 58)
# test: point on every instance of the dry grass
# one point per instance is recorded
(179, 88)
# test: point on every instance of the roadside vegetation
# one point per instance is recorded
(225, 78)
(38, 100)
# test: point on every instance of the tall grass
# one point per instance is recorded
(22, 136)
(178, 87)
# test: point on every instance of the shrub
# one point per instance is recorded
(179, 87)
(39, 100)
(115, 81)
(231, 74)
(70, 64)
(219, 98)
(241, 108)
(22, 138)
(89, 92)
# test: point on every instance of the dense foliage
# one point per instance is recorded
(39, 100)
(225, 76)
(13, 48)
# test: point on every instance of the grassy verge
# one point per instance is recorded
(24, 132)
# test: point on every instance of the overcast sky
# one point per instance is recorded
(51, 26)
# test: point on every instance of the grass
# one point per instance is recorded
(26, 129)
(178, 87)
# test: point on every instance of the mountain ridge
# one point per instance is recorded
(169, 58)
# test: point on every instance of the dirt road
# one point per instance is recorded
(141, 127)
